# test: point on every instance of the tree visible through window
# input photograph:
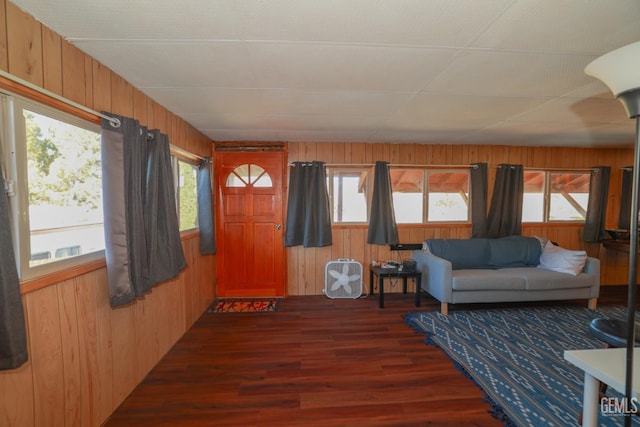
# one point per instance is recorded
(64, 188)
(187, 196)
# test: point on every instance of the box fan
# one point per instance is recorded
(343, 278)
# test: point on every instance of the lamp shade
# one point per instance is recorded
(620, 71)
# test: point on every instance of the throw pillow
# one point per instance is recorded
(562, 260)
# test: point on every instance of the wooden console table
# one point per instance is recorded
(616, 245)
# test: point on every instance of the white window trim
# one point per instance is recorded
(425, 196)
(13, 155)
(546, 197)
(330, 172)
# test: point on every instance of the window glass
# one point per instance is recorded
(187, 196)
(239, 177)
(533, 198)
(408, 186)
(555, 196)
(348, 193)
(248, 174)
(64, 197)
(448, 196)
(569, 196)
(430, 195)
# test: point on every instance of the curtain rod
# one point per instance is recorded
(561, 169)
(115, 122)
(469, 166)
(397, 165)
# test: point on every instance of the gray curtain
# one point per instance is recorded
(478, 199)
(13, 334)
(124, 167)
(594, 223)
(140, 222)
(382, 221)
(308, 210)
(505, 213)
(624, 217)
(206, 222)
(164, 247)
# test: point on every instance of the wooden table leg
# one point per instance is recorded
(372, 273)
(381, 290)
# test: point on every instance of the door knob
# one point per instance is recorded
(278, 226)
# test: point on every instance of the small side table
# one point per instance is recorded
(394, 273)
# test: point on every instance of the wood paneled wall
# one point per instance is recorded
(84, 356)
(306, 266)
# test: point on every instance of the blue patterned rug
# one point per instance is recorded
(516, 356)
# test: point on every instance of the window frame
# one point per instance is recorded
(426, 171)
(331, 170)
(176, 159)
(13, 152)
(546, 196)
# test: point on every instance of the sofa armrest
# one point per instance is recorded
(436, 275)
(592, 268)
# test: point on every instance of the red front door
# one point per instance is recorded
(249, 228)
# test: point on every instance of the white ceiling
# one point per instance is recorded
(426, 71)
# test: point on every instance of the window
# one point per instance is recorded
(555, 196)
(348, 193)
(186, 194)
(52, 161)
(249, 174)
(430, 195)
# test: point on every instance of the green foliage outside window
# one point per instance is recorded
(187, 196)
(63, 164)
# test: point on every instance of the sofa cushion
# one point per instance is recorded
(514, 251)
(462, 253)
(538, 279)
(488, 280)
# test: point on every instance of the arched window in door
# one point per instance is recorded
(249, 174)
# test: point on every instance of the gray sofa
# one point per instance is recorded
(456, 271)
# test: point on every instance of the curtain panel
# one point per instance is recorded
(140, 222)
(13, 333)
(124, 169)
(505, 213)
(594, 223)
(205, 209)
(308, 210)
(382, 219)
(478, 175)
(164, 247)
(624, 217)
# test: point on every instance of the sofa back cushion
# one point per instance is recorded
(461, 253)
(512, 251)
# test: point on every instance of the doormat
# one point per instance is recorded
(244, 305)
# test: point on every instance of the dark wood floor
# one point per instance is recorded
(315, 362)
